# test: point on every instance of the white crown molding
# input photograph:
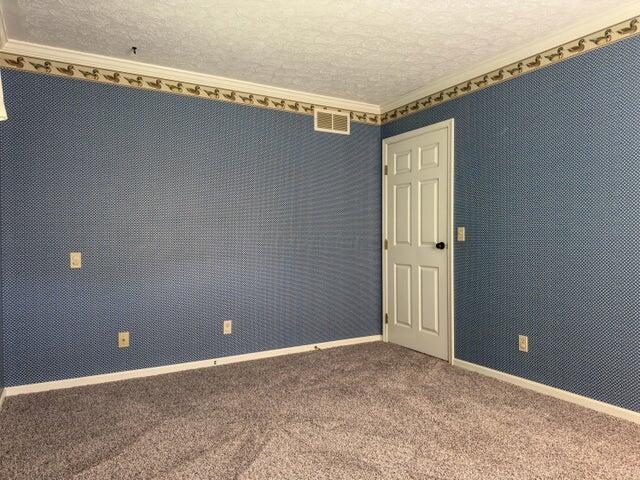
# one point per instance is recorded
(72, 57)
(604, 19)
(180, 367)
(17, 47)
(586, 402)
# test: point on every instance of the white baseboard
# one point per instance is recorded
(587, 402)
(3, 394)
(179, 367)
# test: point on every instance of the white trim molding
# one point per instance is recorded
(583, 401)
(180, 367)
(3, 393)
(116, 64)
(44, 59)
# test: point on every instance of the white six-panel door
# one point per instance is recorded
(417, 231)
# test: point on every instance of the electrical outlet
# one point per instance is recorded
(523, 343)
(75, 260)
(123, 339)
(461, 234)
(226, 327)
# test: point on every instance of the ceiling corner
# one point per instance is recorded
(623, 12)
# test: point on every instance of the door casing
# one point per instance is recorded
(449, 124)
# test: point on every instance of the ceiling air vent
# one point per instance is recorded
(332, 121)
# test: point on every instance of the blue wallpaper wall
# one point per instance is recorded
(1, 330)
(187, 212)
(547, 183)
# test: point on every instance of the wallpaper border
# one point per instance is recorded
(565, 51)
(603, 37)
(158, 84)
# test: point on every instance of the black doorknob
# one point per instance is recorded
(440, 245)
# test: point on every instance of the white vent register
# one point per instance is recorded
(332, 121)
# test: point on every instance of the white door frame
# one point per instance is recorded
(449, 124)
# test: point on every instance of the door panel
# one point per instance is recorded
(402, 290)
(429, 306)
(429, 212)
(417, 213)
(402, 162)
(428, 156)
(402, 194)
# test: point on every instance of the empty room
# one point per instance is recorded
(325, 239)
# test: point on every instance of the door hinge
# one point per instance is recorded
(386, 170)
(386, 318)
(386, 244)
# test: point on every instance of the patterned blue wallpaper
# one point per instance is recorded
(2, 382)
(1, 331)
(187, 212)
(547, 183)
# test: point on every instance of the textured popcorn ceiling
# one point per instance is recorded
(368, 50)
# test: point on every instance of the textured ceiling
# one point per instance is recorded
(367, 50)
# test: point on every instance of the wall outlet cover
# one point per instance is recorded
(227, 326)
(461, 234)
(123, 339)
(75, 260)
(523, 343)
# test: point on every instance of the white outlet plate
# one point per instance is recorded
(523, 343)
(123, 339)
(226, 327)
(461, 234)
(75, 260)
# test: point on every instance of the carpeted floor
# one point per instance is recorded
(373, 411)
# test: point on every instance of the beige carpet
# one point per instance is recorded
(373, 411)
